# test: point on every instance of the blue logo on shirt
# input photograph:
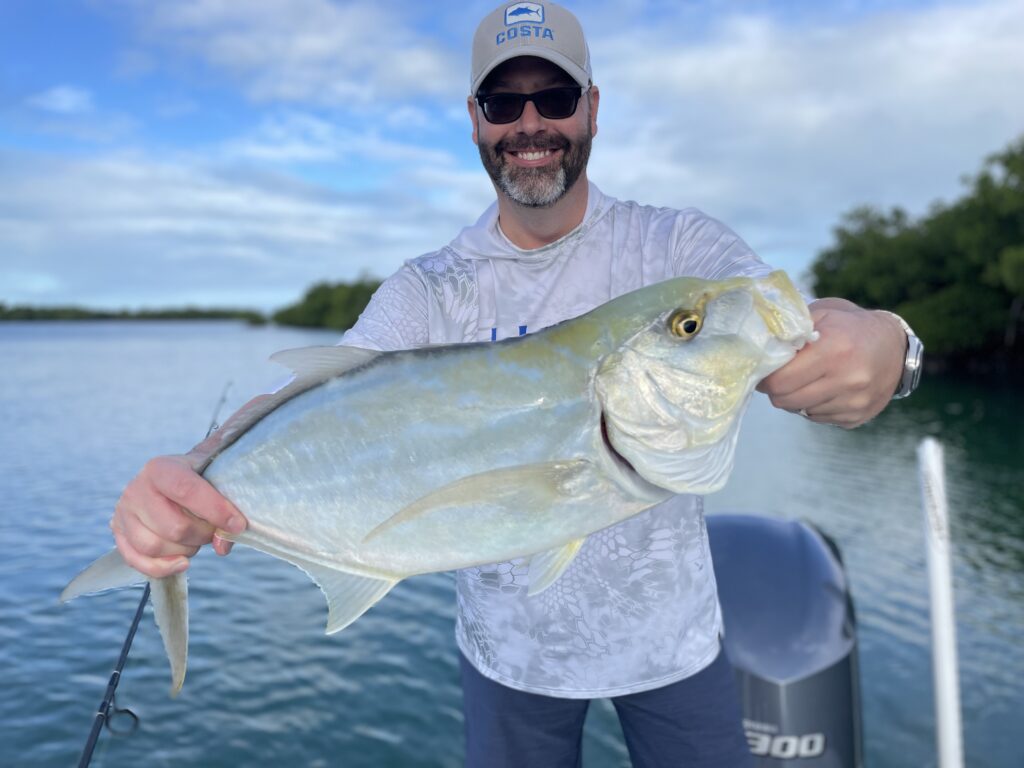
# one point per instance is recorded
(494, 332)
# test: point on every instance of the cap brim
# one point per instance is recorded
(563, 62)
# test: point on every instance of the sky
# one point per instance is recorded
(160, 153)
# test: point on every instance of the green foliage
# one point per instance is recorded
(958, 319)
(20, 312)
(1011, 269)
(327, 305)
(956, 275)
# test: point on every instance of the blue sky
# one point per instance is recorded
(233, 153)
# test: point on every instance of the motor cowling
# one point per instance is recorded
(790, 633)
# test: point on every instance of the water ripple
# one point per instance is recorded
(266, 687)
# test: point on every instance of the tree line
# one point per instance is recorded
(24, 312)
(329, 305)
(956, 274)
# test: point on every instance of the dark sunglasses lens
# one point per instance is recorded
(553, 104)
(503, 107)
(558, 103)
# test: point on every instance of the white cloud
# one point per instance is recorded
(63, 100)
(775, 126)
(779, 127)
(302, 137)
(129, 230)
(307, 51)
(69, 111)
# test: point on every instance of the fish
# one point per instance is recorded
(524, 11)
(370, 467)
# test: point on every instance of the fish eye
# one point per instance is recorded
(685, 323)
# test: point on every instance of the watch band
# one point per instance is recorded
(912, 361)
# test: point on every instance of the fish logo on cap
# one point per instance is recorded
(520, 12)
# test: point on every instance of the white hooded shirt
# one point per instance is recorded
(637, 609)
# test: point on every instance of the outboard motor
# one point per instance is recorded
(790, 633)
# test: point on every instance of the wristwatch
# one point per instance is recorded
(912, 362)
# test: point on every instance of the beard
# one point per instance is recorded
(537, 187)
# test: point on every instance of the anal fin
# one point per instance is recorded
(546, 567)
(349, 595)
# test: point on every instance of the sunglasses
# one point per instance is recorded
(552, 104)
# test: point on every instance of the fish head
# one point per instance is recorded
(673, 392)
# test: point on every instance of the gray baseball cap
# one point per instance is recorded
(530, 29)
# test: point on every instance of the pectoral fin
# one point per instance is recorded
(546, 567)
(528, 486)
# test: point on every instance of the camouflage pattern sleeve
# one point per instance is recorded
(705, 247)
(396, 317)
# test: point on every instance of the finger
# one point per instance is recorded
(811, 397)
(172, 523)
(175, 480)
(154, 567)
(143, 503)
(221, 546)
(802, 371)
(150, 543)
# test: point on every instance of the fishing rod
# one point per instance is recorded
(108, 709)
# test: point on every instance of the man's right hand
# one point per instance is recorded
(166, 513)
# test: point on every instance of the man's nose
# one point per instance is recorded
(530, 121)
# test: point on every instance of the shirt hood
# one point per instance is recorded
(485, 240)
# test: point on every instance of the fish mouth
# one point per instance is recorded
(615, 455)
(624, 474)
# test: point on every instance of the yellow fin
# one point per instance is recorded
(515, 488)
(546, 567)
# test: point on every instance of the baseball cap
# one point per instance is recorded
(530, 29)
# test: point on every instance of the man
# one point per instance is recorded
(635, 618)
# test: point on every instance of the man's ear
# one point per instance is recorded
(471, 106)
(595, 98)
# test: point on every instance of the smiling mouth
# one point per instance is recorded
(532, 152)
(531, 155)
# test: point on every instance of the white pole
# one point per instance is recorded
(940, 576)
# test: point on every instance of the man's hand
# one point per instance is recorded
(849, 374)
(166, 513)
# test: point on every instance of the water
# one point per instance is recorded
(83, 405)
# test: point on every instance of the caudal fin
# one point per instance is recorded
(169, 597)
(109, 572)
(170, 604)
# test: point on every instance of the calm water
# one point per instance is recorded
(83, 405)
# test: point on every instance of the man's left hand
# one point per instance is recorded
(849, 374)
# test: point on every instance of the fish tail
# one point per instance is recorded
(168, 595)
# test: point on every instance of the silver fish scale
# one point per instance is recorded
(350, 465)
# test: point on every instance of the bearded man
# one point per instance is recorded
(635, 618)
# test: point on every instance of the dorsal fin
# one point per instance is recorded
(311, 366)
(322, 363)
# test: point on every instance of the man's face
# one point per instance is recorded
(534, 160)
